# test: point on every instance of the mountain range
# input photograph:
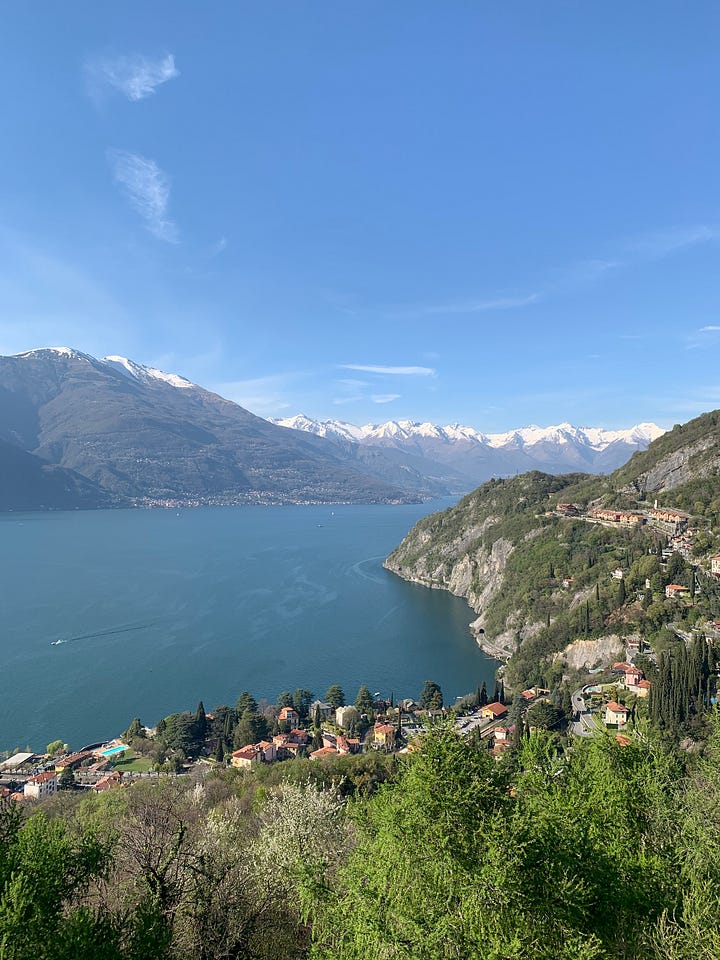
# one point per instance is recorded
(466, 456)
(78, 431)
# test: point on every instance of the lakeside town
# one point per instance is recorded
(325, 731)
(613, 698)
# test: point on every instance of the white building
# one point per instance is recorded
(41, 786)
(345, 716)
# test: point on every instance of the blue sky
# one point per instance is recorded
(492, 213)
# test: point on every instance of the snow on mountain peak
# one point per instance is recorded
(58, 351)
(332, 429)
(138, 371)
(412, 431)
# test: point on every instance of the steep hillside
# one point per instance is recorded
(29, 483)
(539, 580)
(685, 453)
(467, 549)
(140, 433)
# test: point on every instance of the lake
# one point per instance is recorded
(108, 615)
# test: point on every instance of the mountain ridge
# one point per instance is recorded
(141, 435)
(478, 456)
(597, 437)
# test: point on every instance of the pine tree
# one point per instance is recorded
(431, 697)
(335, 696)
(246, 704)
(364, 702)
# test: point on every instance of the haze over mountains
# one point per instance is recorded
(474, 456)
(100, 431)
(77, 431)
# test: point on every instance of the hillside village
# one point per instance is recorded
(612, 696)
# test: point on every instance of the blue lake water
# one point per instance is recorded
(107, 615)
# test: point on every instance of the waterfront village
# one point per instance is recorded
(254, 734)
(323, 732)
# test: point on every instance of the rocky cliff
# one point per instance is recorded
(541, 580)
(466, 551)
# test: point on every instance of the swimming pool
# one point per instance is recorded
(111, 750)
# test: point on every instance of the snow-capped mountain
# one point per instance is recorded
(129, 368)
(478, 456)
(77, 430)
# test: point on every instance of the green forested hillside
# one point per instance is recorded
(540, 580)
(600, 853)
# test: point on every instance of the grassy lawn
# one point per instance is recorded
(132, 761)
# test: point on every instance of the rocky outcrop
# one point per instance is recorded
(464, 566)
(591, 653)
(681, 466)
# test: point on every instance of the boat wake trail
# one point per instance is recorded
(358, 569)
(110, 632)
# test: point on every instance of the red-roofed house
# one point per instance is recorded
(247, 756)
(323, 752)
(289, 715)
(494, 711)
(41, 786)
(633, 676)
(616, 714)
(269, 750)
(385, 735)
(676, 590)
(107, 782)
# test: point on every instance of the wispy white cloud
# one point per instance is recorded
(218, 247)
(462, 306)
(651, 246)
(265, 396)
(351, 384)
(148, 189)
(663, 243)
(395, 371)
(385, 397)
(710, 328)
(584, 271)
(135, 77)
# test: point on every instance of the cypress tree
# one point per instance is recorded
(201, 721)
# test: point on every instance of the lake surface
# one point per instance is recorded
(108, 615)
